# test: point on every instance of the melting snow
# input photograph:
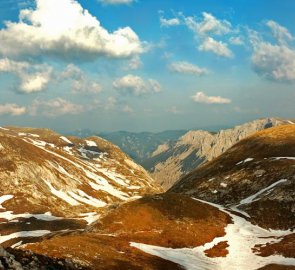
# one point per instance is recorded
(62, 195)
(5, 198)
(90, 217)
(85, 198)
(4, 238)
(241, 237)
(46, 217)
(245, 161)
(65, 139)
(253, 197)
(278, 158)
(91, 143)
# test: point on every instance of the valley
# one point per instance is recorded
(71, 203)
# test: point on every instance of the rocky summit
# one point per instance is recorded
(172, 161)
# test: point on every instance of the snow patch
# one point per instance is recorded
(241, 237)
(90, 143)
(245, 161)
(38, 233)
(253, 197)
(46, 217)
(66, 140)
(5, 198)
(279, 158)
(62, 195)
(90, 217)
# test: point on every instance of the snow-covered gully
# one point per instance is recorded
(241, 237)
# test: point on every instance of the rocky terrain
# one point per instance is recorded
(173, 160)
(140, 146)
(255, 176)
(51, 183)
(234, 212)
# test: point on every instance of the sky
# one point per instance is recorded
(145, 65)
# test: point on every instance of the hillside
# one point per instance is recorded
(234, 212)
(51, 183)
(174, 160)
(255, 176)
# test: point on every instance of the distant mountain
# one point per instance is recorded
(51, 183)
(139, 146)
(173, 160)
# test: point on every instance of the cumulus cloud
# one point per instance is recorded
(33, 78)
(280, 33)
(201, 97)
(12, 109)
(187, 68)
(81, 84)
(62, 28)
(208, 25)
(217, 47)
(169, 22)
(54, 107)
(116, 2)
(275, 62)
(136, 85)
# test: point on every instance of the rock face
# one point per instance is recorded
(256, 177)
(172, 161)
(140, 146)
(51, 183)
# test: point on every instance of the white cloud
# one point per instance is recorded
(55, 107)
(12, 109)
(62, 28)
(276, 62)
(136, 85)
(236, 40)
(280, 33)
(200, 97)
(33, 78)
(81, 84)
(169, 22)
(188, 68)
(217, 47)
(208, 25)
(116, 2)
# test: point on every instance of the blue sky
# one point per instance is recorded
(145, 65)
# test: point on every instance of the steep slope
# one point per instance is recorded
(140, 146)
(52, 183)
(256, 177)
(172, 161)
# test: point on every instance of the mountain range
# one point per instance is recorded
(81, 203)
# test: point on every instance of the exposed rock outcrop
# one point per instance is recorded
(171, 162)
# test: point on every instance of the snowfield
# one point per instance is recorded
(241, 237)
